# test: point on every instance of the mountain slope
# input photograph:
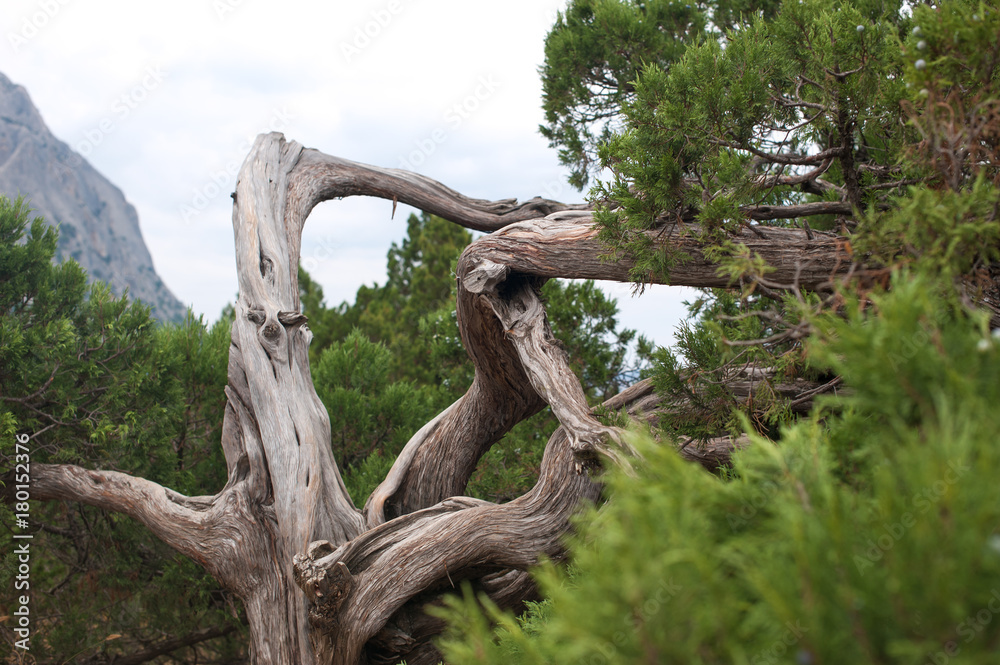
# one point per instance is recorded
(97, 226)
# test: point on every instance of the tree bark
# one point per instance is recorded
(284, 519)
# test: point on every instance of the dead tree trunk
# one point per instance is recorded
(322, 581)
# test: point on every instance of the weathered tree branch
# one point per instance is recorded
(324, 177)
(566, 245)
(763, 213)
(407, 558)
(376, 575)
(168, 646)
(372, 571)
(515, 302)
(178, 521)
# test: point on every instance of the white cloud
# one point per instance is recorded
(230, 67)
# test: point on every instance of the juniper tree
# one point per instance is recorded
(865, 532)
(719, 154)
(849, 120)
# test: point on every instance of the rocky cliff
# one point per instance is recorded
(97, 226)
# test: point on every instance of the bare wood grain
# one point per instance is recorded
(367, 574)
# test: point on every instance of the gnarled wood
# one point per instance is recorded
(436, 548)
(322, 177)
(178, 521)
(566, 245)
(367, 574)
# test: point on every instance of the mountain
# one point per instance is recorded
(97, 226)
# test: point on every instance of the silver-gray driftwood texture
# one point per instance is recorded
(324, 581)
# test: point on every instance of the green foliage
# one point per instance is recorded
(950, 233)
(871, 96)
(867, 532)
(952, 58)
(584, 319)
(510, 468)
(695, 371)
(748, 116)
(94, 381)
(323, 321)
(419, 283)
(715, 131)
(931, 364)
(362, 478)
(70, 363)
(367, 411)
(592, 56)
(735, 339)
(866, 536)
(595, 56)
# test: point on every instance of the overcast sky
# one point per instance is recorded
(164, 98)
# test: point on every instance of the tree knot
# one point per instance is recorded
(325, 581)
(271, 331)
(484, 277)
